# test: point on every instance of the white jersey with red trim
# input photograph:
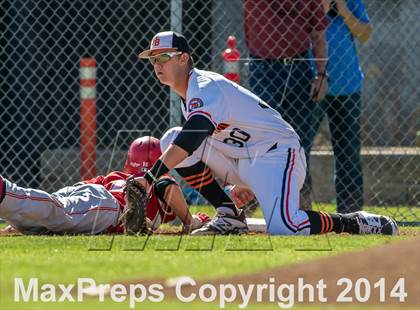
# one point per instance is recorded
(245, 125)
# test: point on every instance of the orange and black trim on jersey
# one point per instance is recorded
(222, 126)
(199, 180)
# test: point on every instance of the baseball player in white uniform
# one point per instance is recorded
(239, 138)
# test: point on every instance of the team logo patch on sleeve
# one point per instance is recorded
(195, 103)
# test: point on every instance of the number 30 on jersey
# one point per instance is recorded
(238, 137)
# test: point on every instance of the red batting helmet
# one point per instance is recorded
(142, 154)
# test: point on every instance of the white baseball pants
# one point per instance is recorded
(83, 209)
(275, 177)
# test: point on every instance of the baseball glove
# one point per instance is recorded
(134, 216)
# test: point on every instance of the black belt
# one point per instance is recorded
(284, 61)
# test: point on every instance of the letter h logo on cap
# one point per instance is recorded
(156, 41)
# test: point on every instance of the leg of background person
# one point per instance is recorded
(318, 115)
(344, 121)
(297, 108)
(267, 80)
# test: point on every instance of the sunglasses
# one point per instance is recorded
(163, 58)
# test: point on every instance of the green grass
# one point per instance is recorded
(63, 259)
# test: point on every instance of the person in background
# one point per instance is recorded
(279, 35)
(348, 21)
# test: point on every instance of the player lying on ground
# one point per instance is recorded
(95, 206)
(239, 136)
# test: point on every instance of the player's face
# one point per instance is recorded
(167, 66)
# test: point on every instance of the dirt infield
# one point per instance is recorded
(391, 261)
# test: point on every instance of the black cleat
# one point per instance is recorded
(223, 224)
(363, 223)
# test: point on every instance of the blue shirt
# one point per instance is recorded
(344, 69)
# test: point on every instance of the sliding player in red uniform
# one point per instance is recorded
(94, 206)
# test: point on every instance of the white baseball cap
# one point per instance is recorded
(167, 40)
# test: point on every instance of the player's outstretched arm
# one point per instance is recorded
(171, 195)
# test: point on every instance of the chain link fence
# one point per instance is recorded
(42, 43)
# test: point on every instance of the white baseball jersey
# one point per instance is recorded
(245, 125)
